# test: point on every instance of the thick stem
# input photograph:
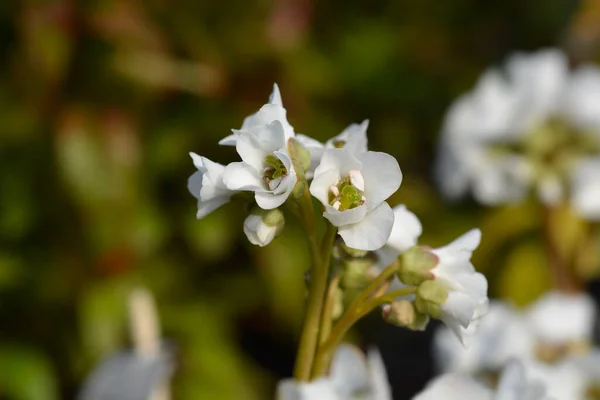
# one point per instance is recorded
(320, 255)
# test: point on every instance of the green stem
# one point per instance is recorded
(371, 304)
(353, 313)
(326, 317)
(320, 255)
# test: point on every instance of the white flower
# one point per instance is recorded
(353, 139)
(586, 188)
(453, 386)
(515, 385)
(559, 318)
(528, 128)
(272, 111)
(466, 301)
(257, 231)
(266, 168)
(353, 189)
(503, 334)
(351, 377)
(564, 380)
(207, 185)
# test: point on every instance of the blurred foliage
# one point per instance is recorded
(100, 102)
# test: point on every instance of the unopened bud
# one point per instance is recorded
(354, 253)
(417, 263)
(273, 217)
(299, 154)
(430, 297)
(357, 273)
(403, 313)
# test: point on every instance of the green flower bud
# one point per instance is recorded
(417, 262)
(357, 273)
(403, 313)
(354, 253)
(299, 154)
(430, 297)
(273, 217)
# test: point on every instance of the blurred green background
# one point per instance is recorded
(100, 103)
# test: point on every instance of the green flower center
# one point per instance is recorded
(274, 171)
(344, 195)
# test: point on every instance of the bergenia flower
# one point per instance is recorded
(515, 384)
(353, 139)
(272, 111)
(454, 293)
(261, 228)
(535, 126)
(207, 185)
(351, 377)
(353, 189)
(266, 168)
(560, 318)
(502, 334)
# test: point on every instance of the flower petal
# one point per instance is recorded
(346, 217)
(195, 184)
(268, 200)
(382, 176)
(372, 232)
(241, 176)
(349, 371)
(206, 207)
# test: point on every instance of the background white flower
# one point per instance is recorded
(353, 189)
(207, 185)
(266, 168)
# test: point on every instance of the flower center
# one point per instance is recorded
(274, 171)
(338, 144)
(348, 192)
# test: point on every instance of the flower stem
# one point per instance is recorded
(320, 255)
(326, 317)
(359, 308)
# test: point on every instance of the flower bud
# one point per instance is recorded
(358, 273)
(403, 313)
(417, 263)
(353, 253)
(261, 226)
(430, 297)
(299, 154)
(273, 217)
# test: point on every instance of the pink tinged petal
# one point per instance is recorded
(195, 184)
(348, 372)
(382, 176)
(241, 176)
(346, 217)
(372, 232)
(206, 207)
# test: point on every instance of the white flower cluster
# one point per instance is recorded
(464, 291)
(351, 182)
(535, 124)
(552, 339)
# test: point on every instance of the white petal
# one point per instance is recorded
(195, 184)
(380, 385)
(268, 200)
(320, 389)
(372, 232)
(346, 217)
(198, 161)
(461, 249)
(581, 103)
(252, 150)
(214, 172)
(356, 179)
(241, 176)
(275, 97)
(550, 190)
(348, 372)
(322, 183)
(354, 136)
(206, 207)
(406, 230)
(557, 318)
(514, 384)
(455, 387)
(586, 188)
(339, 160)
(382, 176)
(230, 140)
